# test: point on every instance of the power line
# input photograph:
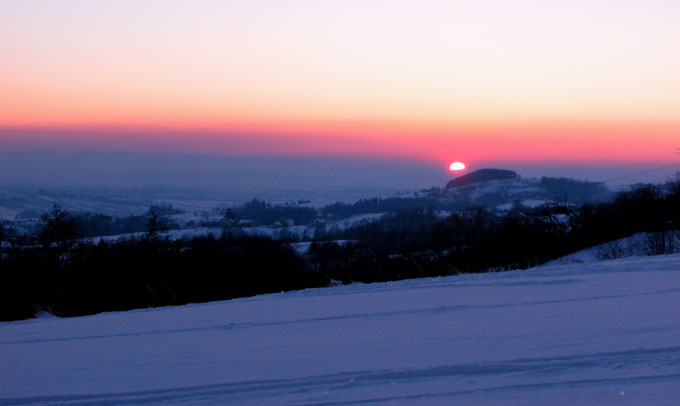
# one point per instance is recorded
(586, 184)
(640, 173)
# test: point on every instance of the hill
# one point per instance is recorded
(500, 189)
(482, 175)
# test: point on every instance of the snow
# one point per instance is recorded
(352, 221)
(595, 333)
(170, 234)
(515, 188)
(276, 232)
(533, 203)
(302, 248)
(633, 245)
(530, 203)
(122, 201)
(263, 231)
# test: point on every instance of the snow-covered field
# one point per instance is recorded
(594, 333)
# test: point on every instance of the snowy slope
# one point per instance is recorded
(636, 244)
(596, 333)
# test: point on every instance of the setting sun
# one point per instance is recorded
(457, 166)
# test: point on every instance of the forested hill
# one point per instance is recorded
(482, 175)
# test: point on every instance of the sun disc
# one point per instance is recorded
(457, 166)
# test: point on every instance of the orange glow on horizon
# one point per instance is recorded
(514, 80)
(534, 143)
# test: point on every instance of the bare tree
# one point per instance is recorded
(2, 238)
(660, 242)
(154, 227)
(228, 218)
(57, 229)
(58, 235)
(610, 250)
(673, 184)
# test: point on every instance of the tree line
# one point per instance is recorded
(57, 271)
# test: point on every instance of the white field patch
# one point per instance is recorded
(602, 333)
(349, 222)
(302, 248)
(170, 234)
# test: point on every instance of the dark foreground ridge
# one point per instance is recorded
(483, 175)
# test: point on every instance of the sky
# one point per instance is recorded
(574, 82)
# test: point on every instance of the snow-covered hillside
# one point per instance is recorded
(596, 333)
(639, 244)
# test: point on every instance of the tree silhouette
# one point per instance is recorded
(228, 218)
(2, 238)
(58, 235)
(154, 227)
(57, 229)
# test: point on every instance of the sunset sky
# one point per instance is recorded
(516, 80)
